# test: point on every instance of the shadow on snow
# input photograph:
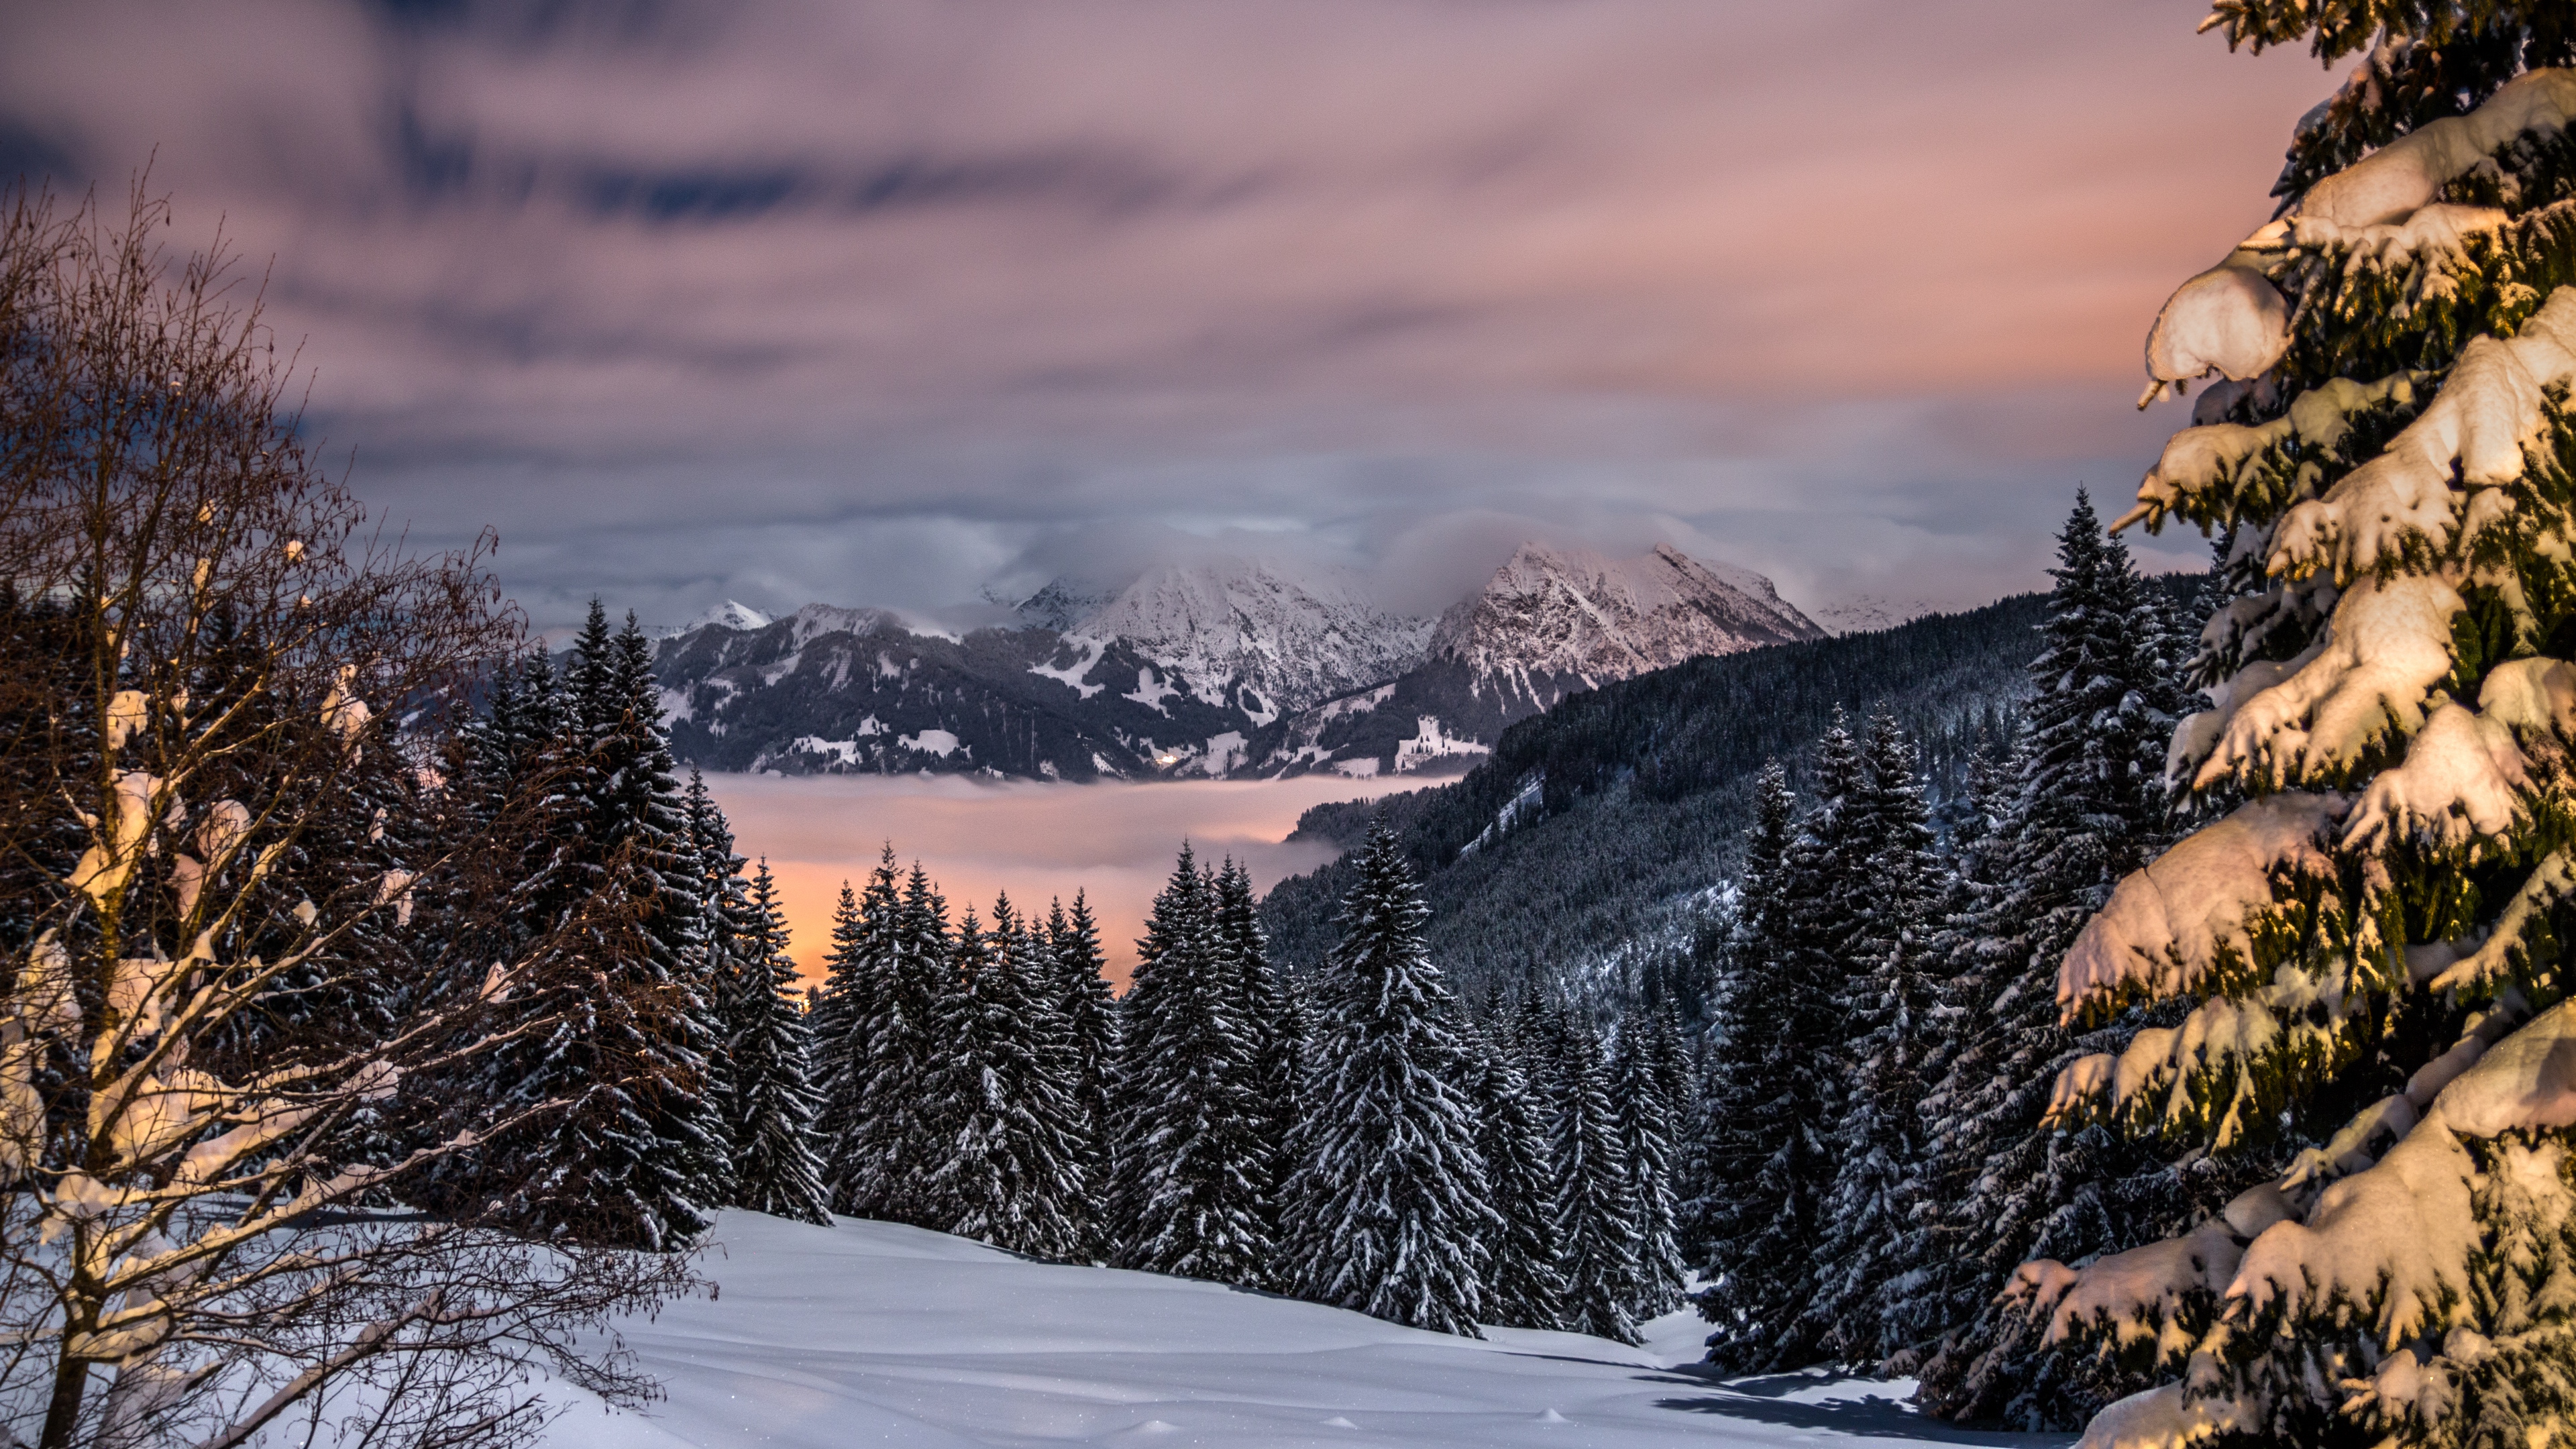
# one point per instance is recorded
(1880, 1416)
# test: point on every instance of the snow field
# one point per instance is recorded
(873, 1334)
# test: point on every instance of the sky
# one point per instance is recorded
(911, 302)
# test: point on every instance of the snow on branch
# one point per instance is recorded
(2489, 412)
(2186, 916)
(2388, 644)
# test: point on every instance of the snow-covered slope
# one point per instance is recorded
(1293, 635)
(1571, 611)
(871, 1334)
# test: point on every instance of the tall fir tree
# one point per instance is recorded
(1878, 1141)
(1780, 1058)
(1646, 1140)
(728, 973)
(1010, 1176)
(1089, 1013)
(1596, 1234)
(639, 1153)
(901, 1140)
(2086, 806)
(776, 1158)
(1387, 1211)
(1524, 1285)
(1263, 1006)
(842, 1018)
(1186, 1164)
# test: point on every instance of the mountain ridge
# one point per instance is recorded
(1218, 667)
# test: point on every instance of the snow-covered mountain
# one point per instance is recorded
(1555, 612)
(1215, 667)
(727, 615)
(1550, 622)
(1289, 635)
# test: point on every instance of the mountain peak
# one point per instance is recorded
(727, 615)
(1569, 610)
(1293, 633)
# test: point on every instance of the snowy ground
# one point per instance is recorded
(870, 1334)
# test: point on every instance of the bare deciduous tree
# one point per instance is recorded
(245, 933)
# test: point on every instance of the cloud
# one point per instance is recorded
(868, 303)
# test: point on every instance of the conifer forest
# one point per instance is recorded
(2127, 1006)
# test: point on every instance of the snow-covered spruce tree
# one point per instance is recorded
(1089, 1015)
(1596, 1236)
(640, 1152)
(901, 1141)
(1185, 1196)
(2085, 806)
(730, 980)
(1008, 1175)
(1725, 1150)
(185, 1254)
(1782, 1048)
(2370, 945)
(1878, 1144)
(837, 1024)
(1266, 1014)
(777, 1167)
(1387, 1209)
(1524, 1287)
(1646, 1141)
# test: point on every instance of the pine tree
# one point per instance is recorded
(900, 1141)
(1878, 1143)
(1185, 1193)
(1262, 1005)
(1524, 1287)
(642, 1149)
(1728, 1145)
(1387, 1209)
(728, 971)
(841, 1020)
(2085, 807)
(775, 1158)
(1008, 1176)
(1596, 1235)
(1784, 1042)
(1646, 1132)
(2360, 956)
(1089, 1016)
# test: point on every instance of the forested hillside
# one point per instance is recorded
(1597, 834)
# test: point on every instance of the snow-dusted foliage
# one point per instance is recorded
(2361, 962)
(776, 1158)
(2078, 805)
(1387, 1210)
(1524, 1286)
(1008, 1171)
(1188, 1163)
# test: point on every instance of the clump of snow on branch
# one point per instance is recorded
(2172, 924)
